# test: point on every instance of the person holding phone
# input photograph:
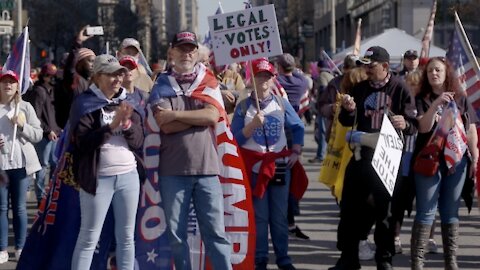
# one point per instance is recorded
(106, 133)
(263, 143)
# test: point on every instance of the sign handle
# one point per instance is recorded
(254, 86)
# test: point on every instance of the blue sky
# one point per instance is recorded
(208, 7)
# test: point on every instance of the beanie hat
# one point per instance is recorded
(81, 54)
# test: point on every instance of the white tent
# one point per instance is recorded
(395, 41)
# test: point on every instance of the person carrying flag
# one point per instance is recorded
(106, 130)
(189, 163)
(23, 163)
(262, 136)
(439, 89)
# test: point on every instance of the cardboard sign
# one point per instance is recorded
(388, 154)
(245, 35)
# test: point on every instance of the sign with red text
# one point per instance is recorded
(388, 154)
(245, 35)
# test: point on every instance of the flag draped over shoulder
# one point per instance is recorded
(464, 62)
(152, 250)
(19, 60)
(54, 232)
(427, 37)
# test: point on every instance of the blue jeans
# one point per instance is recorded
(271, 210)
(206, 192)
(46, 154)
(320, 138)
(442, 190)
(17, 191)
(122, 191)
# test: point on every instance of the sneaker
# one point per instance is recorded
(3, 256)
(18, 252)
(398, 245)
(297, 233)
(287, 267)
(432, 246)
(315, 160)
(365, 253)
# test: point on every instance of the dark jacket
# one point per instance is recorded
(43, 101)
(88, 136)
(402, 103)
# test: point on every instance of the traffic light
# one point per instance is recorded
(43, 53)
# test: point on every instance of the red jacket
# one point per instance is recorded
(299, 179)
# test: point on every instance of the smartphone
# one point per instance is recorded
(94, 31)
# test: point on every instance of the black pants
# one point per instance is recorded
(364, 197)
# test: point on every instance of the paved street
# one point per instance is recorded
(319, 220)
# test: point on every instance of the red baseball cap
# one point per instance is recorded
(128, 60)
(9, 73)
(262, 64)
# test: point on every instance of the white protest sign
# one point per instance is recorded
(245, 35)
(388, 154)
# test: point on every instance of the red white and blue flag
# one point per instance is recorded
(456, 141)
(208, 38)
(464, 62)
(152, 249)
(19, 60)
(427, 37)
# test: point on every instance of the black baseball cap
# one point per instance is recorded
(375, 54)
(411, 54)
(184, 37)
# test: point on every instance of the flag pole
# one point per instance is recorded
(254, 86)
(470, 50)
(19, 91)
(330, 59)
(358, 37)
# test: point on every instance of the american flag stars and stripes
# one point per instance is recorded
(18, 56)
(427, 37)
(464, 63)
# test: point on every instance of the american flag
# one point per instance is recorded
(427, 37)
(19, 55)
(331, 65)
(463, 60)
(208, 38)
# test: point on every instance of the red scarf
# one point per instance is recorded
(299, 179)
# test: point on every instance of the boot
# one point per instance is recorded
(450, 245)
(418, 244)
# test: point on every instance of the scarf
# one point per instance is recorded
(382, 83)
(185, 78)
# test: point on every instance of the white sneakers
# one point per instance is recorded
(3, 256)
(18, 252)
(365, 251)
(398, 245)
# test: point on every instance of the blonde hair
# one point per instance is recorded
(413, 80)
(351, 78)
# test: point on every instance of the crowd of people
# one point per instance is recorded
(97, 104)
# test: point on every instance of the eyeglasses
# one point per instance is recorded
(187, 50)
(371, 65)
